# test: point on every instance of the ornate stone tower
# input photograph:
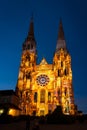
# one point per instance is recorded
(27, 67)
(63, 71)
(42, 87)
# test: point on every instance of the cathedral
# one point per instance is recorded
(42, 87)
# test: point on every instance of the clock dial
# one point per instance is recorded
(42, 80)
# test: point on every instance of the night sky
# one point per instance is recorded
(15, 17)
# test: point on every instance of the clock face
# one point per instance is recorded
(42, 80)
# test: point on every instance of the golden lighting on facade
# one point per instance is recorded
(42, 87)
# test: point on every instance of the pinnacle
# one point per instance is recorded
(61, 32)
(31, 30)
(61, 44)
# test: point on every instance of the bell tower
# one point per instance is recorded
(63, 71)
(27, 67)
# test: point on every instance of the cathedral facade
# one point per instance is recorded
(42, 87)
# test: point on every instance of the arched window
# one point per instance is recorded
(35, 97)
(28, 57)
(26, 94)
(28, 75)
(49, 96)
(65, 91)
(59, 72)
(61, 63)
(42, 96)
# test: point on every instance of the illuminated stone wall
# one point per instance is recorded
(41, 87)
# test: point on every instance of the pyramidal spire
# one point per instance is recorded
(31, 30)
(61, 32)
(30, 43)
(61, 44)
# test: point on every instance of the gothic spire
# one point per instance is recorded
(61, 32)
(30, 43)
(61, 40)
(31, 30)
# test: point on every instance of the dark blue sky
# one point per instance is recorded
(15, 17)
